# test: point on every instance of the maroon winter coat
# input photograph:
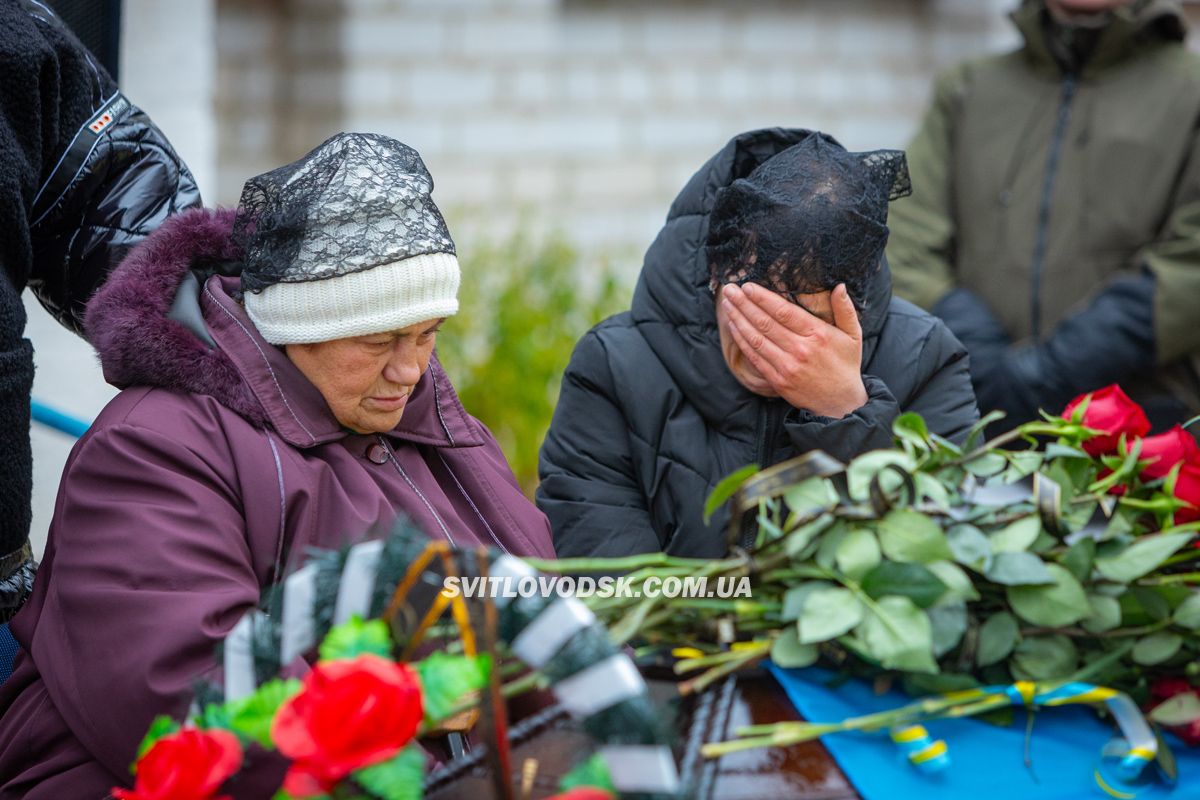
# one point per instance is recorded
(201, 483)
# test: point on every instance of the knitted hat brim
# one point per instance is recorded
(384, 298)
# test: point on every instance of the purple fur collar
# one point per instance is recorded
(127, 322)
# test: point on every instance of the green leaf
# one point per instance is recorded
(1024, 462)
(1178, 710)
(811, 496)
(1144, 555)
(862, 469)
(1063, 451)
(898, 635)
(592, 772)
(1017, 537)
(986, 465)
(1052, 605)
(795, 597)
(1018, 569)
(913, 581)
(725, 489)
(908, 535)
(949, 623)
(1153, 600)
(1188, 612)
(975, 435)
(958, 584)
(787, 651)
(1079, 558)
(399, 778)
(355, 637)
(970, 547)
(1043, 658)
(910, 427)
(827, 614)
(1157, 648)
(799, 539)
(858, 553)
(447, 679)
(997, 638)
(162, 725)
(1105, 615)
(251, 717)
(933, 490)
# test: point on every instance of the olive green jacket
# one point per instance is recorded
(1036, 189)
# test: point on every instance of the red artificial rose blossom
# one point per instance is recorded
(348, 715)
(1164, 689)
(188, 765)
(1187, 488)
(1165, 450)
(1112, 413)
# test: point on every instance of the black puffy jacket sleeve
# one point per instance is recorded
(945, 401)
(589, 490)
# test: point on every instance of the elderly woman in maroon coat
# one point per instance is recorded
(280, 392)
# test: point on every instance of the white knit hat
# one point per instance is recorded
(345, 242)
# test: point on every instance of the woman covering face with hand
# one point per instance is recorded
(762, 328)
(280, 392)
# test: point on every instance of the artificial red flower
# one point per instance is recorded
(1112, 413)
(1187, 487)
(1165, 450)
(584, 793)
(1164, 689)
(348, 715)
(188, 765)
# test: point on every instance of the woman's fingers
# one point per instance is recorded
(759, 350)
(790, 317)
(845, 315)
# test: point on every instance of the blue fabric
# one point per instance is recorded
(8, 652)
(986, 761)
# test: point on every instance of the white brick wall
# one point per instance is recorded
(580, 115)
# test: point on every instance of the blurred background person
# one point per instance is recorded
(1055, 217)
(84, 175)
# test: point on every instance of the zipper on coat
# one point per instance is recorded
(1070, 82)
(396, 463)
(764, 455)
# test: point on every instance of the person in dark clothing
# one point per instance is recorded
(1055, 218)
(762, 328)
(84, 175)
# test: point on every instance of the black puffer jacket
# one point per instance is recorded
(84, 176)
(650, 418)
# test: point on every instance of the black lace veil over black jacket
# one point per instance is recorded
(650, 418)
(84, 176)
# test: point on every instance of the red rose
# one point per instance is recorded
(188, 765)
(1187, 488)
(1112, 413)
(1166, 450)
(348, 715)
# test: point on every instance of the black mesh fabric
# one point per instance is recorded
(358, 201)
(807, 219)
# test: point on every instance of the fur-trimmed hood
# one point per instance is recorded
(168, 318)
(128, 321)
